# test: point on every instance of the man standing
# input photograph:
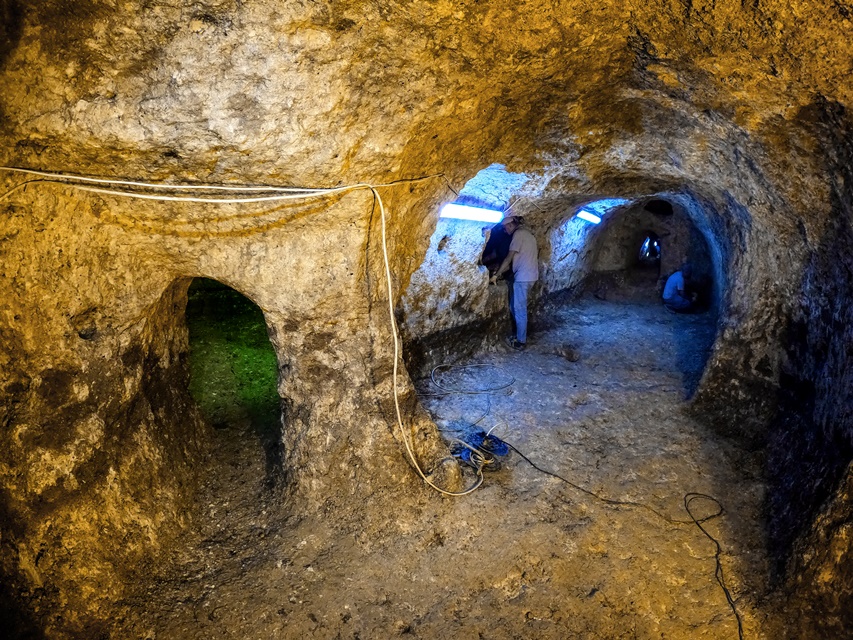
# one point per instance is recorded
(494, 254)
(523, 259)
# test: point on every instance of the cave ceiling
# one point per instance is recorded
(324, 93)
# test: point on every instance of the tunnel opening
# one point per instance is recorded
(649, 253)
(622, 253)
(450, 288)
(233, 367)
(604, 271)
(637, 249)
(623, 262)
(599, 392)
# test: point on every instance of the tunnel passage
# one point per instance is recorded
(593, 248)
(622, 343)
(233, 366)
(623, 251)
(624, 264)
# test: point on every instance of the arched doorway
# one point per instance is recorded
(233, 367)
(639, 248)
(622, 256)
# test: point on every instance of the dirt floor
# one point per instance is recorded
(597, 398)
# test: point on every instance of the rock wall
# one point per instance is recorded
(102, 446)
(719, 105)
(811, 443)
(99, 442)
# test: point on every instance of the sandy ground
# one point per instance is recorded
(598, 398)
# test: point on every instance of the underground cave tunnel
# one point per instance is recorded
(620, 269)
(238, 140)
(619, 272)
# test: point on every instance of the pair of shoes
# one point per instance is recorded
(515, 344)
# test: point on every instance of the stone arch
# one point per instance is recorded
(601, 259)
(575, 249)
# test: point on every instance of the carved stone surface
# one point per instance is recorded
(736, 113)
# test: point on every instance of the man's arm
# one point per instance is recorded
(504, 265)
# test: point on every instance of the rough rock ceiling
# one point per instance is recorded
(322, 93)
(737, 111)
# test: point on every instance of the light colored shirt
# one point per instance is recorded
(525, 263)
(674, 287)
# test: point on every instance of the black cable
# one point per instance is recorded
(718, 574)
(688, 499)
(449, 186)
(617, 503)
(450, 390)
